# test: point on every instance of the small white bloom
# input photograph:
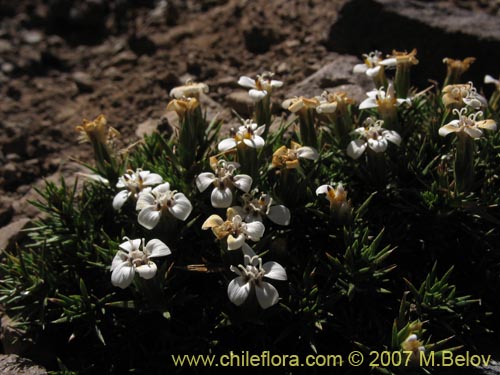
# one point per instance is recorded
(382, 99)
(224, 182)
(133, 183)
(412, 343)
(234, 228)
(251, 277)
(256, 209)
(259, 87)
(134, 257)
(467, 124)
(373, 136)
(158, 201)
(371, 66)
(249, 134)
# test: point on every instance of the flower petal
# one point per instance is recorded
(275, 83)
(473, 132)
(131, 245)
(119, 258)
(157, 248)
(274, 271)
(490, 79)
(447, 129)
(378, 145)
(323, 189)
(204, 180)
(389, 62)
(368, 103)
(255, 142)
(238, 290)
(227, 144)
(279, 214)
(123, 275)
(235, 243)
(212, 221)
(149, 217)
(147, 271)
(392, 136)
(243, 182)
(487, 124)
(149, 179)
(356, 148)
(181, 208)
(307, 152)
(145, 199)
(255, 230)
(267, 295)
(257, 95)
(372, 72)
(247, 82)
(221, 198)
(162, 189)
(120, 199)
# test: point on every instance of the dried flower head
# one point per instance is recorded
(330, 102)
(96, 131)
(183, 106)
(299, 104)
(288, 158)
(464, 94)
(189, 90)
(401, 58)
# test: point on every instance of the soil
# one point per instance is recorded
(65, 60)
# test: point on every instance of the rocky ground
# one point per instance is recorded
(65, 60)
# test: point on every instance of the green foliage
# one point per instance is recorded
(348, 259)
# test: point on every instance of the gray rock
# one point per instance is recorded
(241, 102)
(334, 76)
(11, 233)
(83, 81)
(147, 127)
(11, 364)
(436, 31)
(33, 37)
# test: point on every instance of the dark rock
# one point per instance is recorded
(141, 45)
(6, 211)
(437, 32)
(259, 39)
(11, 364)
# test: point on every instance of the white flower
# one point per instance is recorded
(134, 257)
(251, 277)
(133, 183)
(234, 228)
(248, 134)
(371, 66)
(154, 203)
(382, 99)
(467, 124)
(374, 136)
(256, 209)
(259, 87)
(224, 181)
